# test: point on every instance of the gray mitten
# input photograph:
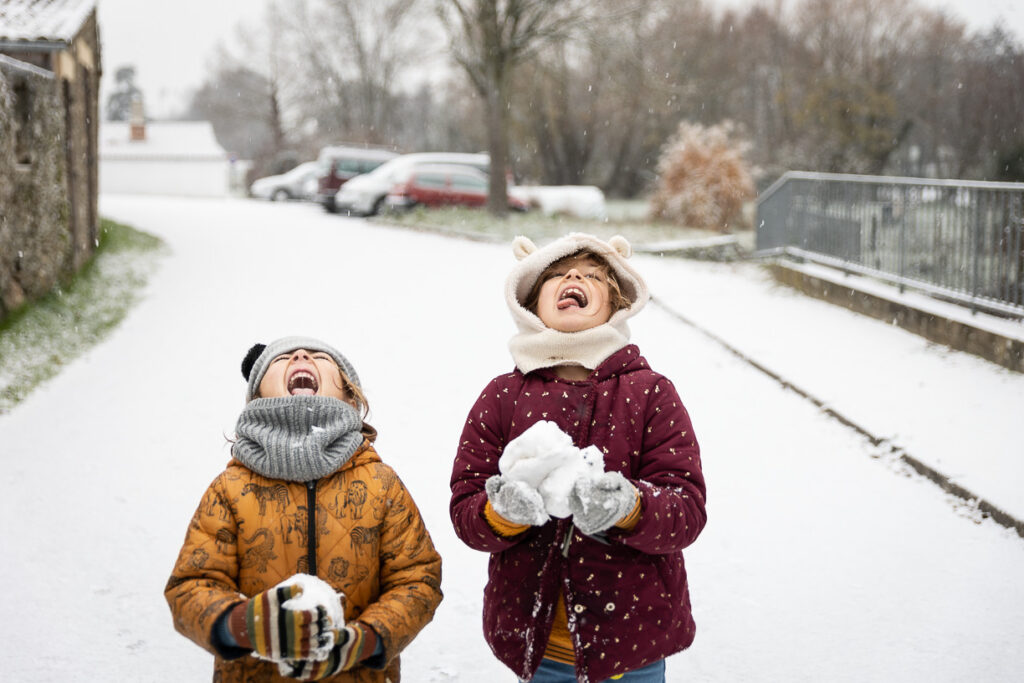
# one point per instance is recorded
(516, 501)
(597, 503)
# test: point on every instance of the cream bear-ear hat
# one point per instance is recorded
(533, 261)
(536, 345)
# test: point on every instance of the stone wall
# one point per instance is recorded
(49, 109)
(78, 71)
(36, 250)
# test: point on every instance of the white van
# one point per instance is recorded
(364, 195)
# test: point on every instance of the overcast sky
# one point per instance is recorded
(170, 43)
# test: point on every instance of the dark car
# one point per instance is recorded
(339, 164)
(439, 185)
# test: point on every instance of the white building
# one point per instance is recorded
(165, 157)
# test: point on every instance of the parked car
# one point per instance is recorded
(294, 184)
(339, 164)
(437, 185)
(365, 195)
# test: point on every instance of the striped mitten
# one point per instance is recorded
(353, 644)
(277, 633)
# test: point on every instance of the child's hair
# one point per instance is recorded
(616, 298)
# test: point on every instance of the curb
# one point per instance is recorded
(966, 336)
(986, 508)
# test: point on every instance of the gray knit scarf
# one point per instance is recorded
(297, 438)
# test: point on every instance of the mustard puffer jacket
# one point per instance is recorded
(249, 533)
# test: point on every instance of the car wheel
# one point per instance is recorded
(280, 195)
(377, 206)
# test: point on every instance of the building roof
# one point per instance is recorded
(7, 62)
(42, 23)
(165, 140)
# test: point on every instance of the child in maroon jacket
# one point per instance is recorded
(600, 593)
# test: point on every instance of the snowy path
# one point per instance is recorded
(819, 563)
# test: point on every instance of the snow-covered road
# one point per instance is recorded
(819, 562)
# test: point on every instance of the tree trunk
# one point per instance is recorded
(497, 143)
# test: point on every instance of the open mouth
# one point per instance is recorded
(302, 383)
(572, 296)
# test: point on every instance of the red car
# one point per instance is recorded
(437, 185)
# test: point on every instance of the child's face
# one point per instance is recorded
(575, 296)
(303, 373)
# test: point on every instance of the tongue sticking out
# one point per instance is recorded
(302, 384)
(572, 298)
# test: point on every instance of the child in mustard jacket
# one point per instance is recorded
(304, 502)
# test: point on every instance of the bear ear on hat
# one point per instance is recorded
(522, 247)
(621, 245)
(250, 359)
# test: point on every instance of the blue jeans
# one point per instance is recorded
(551, 671)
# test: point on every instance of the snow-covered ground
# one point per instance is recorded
(819, 562)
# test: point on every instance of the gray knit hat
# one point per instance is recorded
(256, 362)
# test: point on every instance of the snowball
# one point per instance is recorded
(532, 455)
(545, 458)
(555, 489)
(557, 486)
(316, 593)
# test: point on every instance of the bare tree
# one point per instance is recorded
(355, 54)
(246, 99)
(852, 102)
(239, 103)
(489, 39)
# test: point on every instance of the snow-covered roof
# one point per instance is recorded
(164, 140)
(44, 22)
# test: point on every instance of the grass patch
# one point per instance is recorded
(39, 339)
(626, 218)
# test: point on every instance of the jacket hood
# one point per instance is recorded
(538, 346)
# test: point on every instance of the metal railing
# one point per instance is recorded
(958, 240)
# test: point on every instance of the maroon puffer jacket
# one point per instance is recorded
(628, 600)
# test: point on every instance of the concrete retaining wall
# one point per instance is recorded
(1005, 351)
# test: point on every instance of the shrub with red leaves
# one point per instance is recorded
(704, 179)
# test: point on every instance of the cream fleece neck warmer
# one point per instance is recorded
(297, 438)
(538, 346)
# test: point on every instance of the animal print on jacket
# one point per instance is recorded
(250, 533)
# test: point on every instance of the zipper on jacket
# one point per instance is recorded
(311, 528)
(566, 541)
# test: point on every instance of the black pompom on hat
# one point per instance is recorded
(250, 359)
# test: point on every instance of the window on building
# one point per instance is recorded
(22, 123)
